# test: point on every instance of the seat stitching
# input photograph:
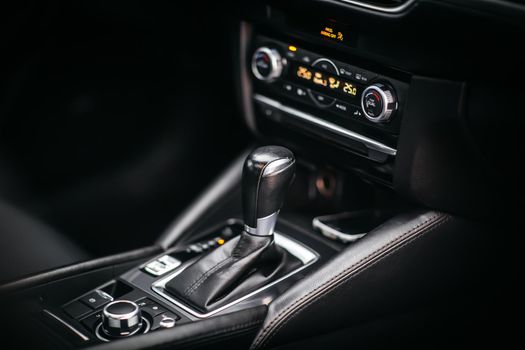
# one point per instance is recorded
(415, 229)
(342, 282)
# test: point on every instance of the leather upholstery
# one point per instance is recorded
(240, 266)
(80, 269)
(403, 263)
(28, 246)
(230, 331)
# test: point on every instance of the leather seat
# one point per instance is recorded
(28, 246)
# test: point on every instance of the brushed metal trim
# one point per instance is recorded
(386, 9)
(67, 325)
(331, 232)
(336, 129)
(265, 226)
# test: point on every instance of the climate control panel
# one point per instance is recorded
(329, 95)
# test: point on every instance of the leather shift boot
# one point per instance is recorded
(233, 270)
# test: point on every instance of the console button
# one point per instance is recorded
(143, 302)
(96, 299)
(164, 320)
(341, 108)
(92, 321)
(355, 112)
(326, 65)
(76, 309)
(288, 88)
(306, 59)
(347, 71)
(195, 248)
(162, 265)
(300, 92)
(153, 309)
(322, 100)
(295, 91)
(364, 76)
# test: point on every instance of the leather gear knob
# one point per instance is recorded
(267, 174)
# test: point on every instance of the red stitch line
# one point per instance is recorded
(277, 318)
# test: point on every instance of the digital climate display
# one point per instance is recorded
(327, 82)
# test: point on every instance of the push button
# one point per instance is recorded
(96, 299)
(92, 321)
(76, 309)
(364, 76)
(153, 309)
(295, 91)
(355, 112)
(164, 320)
(143, 302)
(341, 108)
(195, 248)
(149, 306)
(288, 88)
(346, 71)
(322, 100)
(300, 92)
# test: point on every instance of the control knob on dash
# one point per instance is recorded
(267, 64)
(379, 103)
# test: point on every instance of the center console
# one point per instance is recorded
(139, 302)
(235, 266)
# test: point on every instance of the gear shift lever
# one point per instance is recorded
(267, 174)
(250, 260)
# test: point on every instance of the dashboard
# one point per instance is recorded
(358, 109)
(404, 93)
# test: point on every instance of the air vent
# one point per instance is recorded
(391, 6)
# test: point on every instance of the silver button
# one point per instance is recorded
(167, 322)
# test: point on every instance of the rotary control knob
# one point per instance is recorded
(379, 103)
(267, 64)
(121, 318)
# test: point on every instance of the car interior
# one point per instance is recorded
(261, 174)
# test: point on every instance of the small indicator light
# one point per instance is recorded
(220, 241)
(292, 48)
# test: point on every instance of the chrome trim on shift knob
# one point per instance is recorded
(265, 226)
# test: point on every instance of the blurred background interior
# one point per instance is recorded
(106, 122)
